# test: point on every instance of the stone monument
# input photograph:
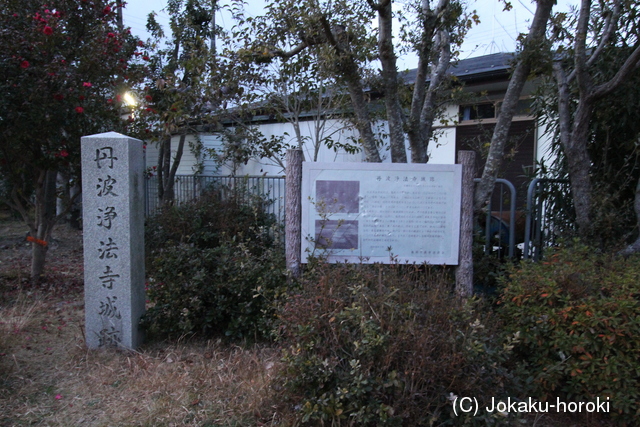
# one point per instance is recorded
(113, 234)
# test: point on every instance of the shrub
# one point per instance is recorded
(211, 219)
(578, 316)
(216, 267)
(386, 345)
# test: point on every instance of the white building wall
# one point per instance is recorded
(442, 149)
(543, 149)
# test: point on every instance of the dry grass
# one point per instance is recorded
(49, 378)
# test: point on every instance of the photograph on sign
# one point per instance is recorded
(365, 212)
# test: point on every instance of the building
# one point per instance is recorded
(469, 125)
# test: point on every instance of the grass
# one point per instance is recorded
(49, 378)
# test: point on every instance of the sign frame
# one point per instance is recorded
(346, 210)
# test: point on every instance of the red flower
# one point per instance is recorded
(146, 58)
(87, 84)
(148, 98)
(24, 64)
(47, 30)
(79, 110)
(111, 35)
(63, 153)
(106, 10)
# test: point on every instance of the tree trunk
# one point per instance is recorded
(532, 45)
(165, 146)
(169, 192)
(361, 110)
(45, 219)
(167, 170)
(347, 67)
(575, 126)
(293, 230)
(579, 165)
(390, 82)
(429, 107)
(422, 111)
(38, 260)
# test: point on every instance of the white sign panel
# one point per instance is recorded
(369, 212)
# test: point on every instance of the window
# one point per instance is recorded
(478, 111)
(489, 110)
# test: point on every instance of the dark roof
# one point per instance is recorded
(473, 69)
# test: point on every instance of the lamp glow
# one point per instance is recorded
(129, 99)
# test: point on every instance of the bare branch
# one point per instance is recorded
(328, 33)
(293, 52)
(580, 56)
(20, 208)
(67, 208)
(611, 24)
(630, 65)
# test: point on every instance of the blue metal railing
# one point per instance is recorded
(495, 225)
(549, 215)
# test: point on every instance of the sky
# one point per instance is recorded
(497, 31)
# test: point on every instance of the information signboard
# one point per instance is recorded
(371, 212)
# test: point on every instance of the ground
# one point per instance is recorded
(48, 377)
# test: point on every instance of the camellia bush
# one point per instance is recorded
(578, 317)
(65, 66)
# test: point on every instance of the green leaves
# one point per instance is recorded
(577, 313)
(217, 266)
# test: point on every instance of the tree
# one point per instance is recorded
(298, 95)
(179, 90)
(611, 25)
(65, 66)
(591, 102)
(531, 52)
(345, 46)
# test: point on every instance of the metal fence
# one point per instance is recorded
(500, 226)
(550, 214)
(188, 188)
(508, 230)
